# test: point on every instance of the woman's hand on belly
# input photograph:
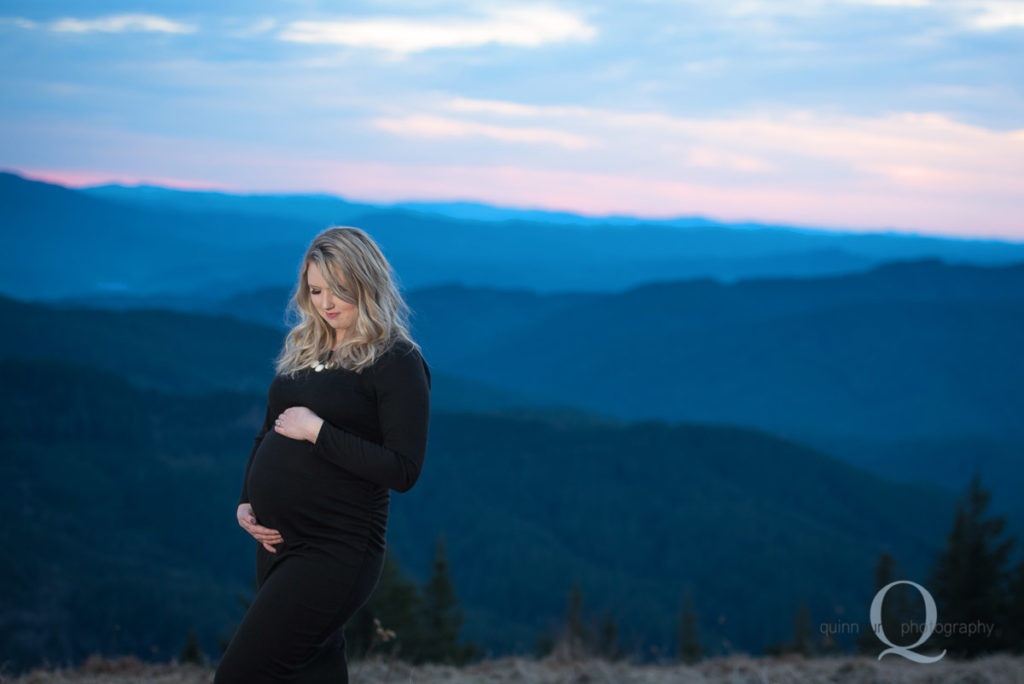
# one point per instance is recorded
(264, 535)
(298, 422)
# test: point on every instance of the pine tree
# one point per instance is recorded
(191, 652)
(690, 649)
(608, 637)
(802, 630)
(970, 580)
(395, 607)
(898, 609)
(545, 643)
(441, 614)
(576, 634)
(1015, 614)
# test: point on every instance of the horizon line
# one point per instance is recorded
(83, 181)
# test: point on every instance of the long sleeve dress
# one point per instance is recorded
(329, 499)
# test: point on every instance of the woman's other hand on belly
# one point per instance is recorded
(264, 535)
(298, 422)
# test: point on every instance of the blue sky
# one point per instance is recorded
(902, 115)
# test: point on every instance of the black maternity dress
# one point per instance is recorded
(329, 500)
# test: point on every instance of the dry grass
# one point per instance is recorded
(1000, 669)
(126, 670)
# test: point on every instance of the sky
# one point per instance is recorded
(868, 115)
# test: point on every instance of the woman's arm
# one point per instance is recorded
(402, 382)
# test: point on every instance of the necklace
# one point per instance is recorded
(325, 362)
(322, 364)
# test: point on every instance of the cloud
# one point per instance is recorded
(914, 151)
(771, 17)
(254, 28)
(423, 126)
(465, 104)
(895, 3)
(997, 14)
(76, 178)
(935, 182)
(121, 23)
(115, 23)
(515, 26)
(20, 22)
(983, 15)
(720, 159)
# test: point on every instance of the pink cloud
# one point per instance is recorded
(76, 178)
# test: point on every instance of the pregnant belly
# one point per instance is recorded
(305, 496)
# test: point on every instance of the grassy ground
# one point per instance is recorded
(999, 669)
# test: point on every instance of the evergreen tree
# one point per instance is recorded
(690, 649)
(576, 635)
(394, 608)
(970, 580)
(441, 615)
(191, 651)
(898, 609)
(413, 624)
(608, 637)
(802, 635)
(1015, 614)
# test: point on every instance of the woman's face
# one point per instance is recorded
(339, 313)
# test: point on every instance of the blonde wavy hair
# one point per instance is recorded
(382, 315)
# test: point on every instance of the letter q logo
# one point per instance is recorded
(930, 615)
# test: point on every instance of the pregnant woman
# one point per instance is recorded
(346, 422)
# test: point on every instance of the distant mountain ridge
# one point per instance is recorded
(153, 242)
(782, 354)
(887, 369)
(59, 242)
(198, 352)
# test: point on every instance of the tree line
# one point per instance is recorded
(973, 581)
(977, 589)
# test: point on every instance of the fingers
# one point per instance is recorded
(253, 527)
(262, 534)
(272, 539)
(268, 535)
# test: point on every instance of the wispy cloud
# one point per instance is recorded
(424, 126)
(75, 178)
(515, 26)
(904, 190)
(997, 14)
(712, 158)
(983, 15)
(918, 152)
(20, 22)
(466, 104)
(255, 28)
(115, 23)
(895, 3)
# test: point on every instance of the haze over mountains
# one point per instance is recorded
(204, 244)
(911, 369)
(618, 402)
(887, 365)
